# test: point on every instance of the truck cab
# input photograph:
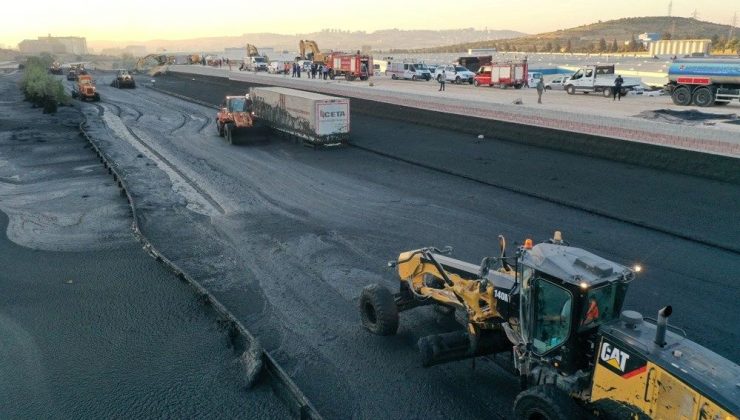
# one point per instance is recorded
(255, 63)
(85, 89)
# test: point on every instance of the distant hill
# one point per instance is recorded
(587, 38)
(328, 39)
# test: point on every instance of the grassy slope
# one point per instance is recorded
(586, 35)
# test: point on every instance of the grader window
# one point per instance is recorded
(552, 316)
(601, 305)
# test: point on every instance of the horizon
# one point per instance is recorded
(116, 26)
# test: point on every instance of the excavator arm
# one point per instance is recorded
(314, 53)
(252, 51)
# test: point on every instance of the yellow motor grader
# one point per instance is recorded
(558, 310)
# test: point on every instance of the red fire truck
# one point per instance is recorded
(351, 66)
(502, 74)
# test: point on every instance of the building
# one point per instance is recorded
(648, 37)
(680, 47)
(481, 51)
(54, 45)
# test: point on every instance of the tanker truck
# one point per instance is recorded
(704, 81)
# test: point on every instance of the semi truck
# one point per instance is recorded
(351, 66)
(503, 74)
(704, 81)
(600, 79)
(317, 119)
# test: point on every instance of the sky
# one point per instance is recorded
(141, 20)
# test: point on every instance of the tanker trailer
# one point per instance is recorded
(704, 81)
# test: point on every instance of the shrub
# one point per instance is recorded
(41, 88)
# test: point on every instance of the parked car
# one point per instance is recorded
(305, 65)
(558, 83)
(455, 74)
(276, 67)
(533, 77)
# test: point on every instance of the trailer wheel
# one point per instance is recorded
(378, 310)
(607, 92)
(570, 89)
(681, 96)
(545, 402)
(703, 97)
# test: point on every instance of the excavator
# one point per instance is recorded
(153, 63)
(252, 51)
(314, 54)
(557, 311)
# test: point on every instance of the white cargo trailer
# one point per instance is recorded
(318, 119)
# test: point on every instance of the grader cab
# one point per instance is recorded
(557, 310)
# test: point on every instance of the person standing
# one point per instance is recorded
(442, 81)
(298, 70)
(618, 88)
(295, 66)
(540, 90)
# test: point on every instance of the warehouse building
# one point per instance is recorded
(680, 47)
(55, 45)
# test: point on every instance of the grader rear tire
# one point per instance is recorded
(378, 310)
(545, 402)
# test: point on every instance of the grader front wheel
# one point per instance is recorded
(545, 402)
(378, 310)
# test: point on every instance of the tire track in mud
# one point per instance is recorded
(191, 115)
(265, 366)
(194, 185)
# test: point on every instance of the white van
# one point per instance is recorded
(408, 71)
(533, 77)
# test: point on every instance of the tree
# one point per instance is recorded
(548, 47)
(557, 48)
(634, 45)
(602, 45)
(569, 47)
(615, 46)
(733, 44)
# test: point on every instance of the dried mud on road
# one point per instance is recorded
(90, 325)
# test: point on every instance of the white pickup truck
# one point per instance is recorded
(454, 73)
(598, 79)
